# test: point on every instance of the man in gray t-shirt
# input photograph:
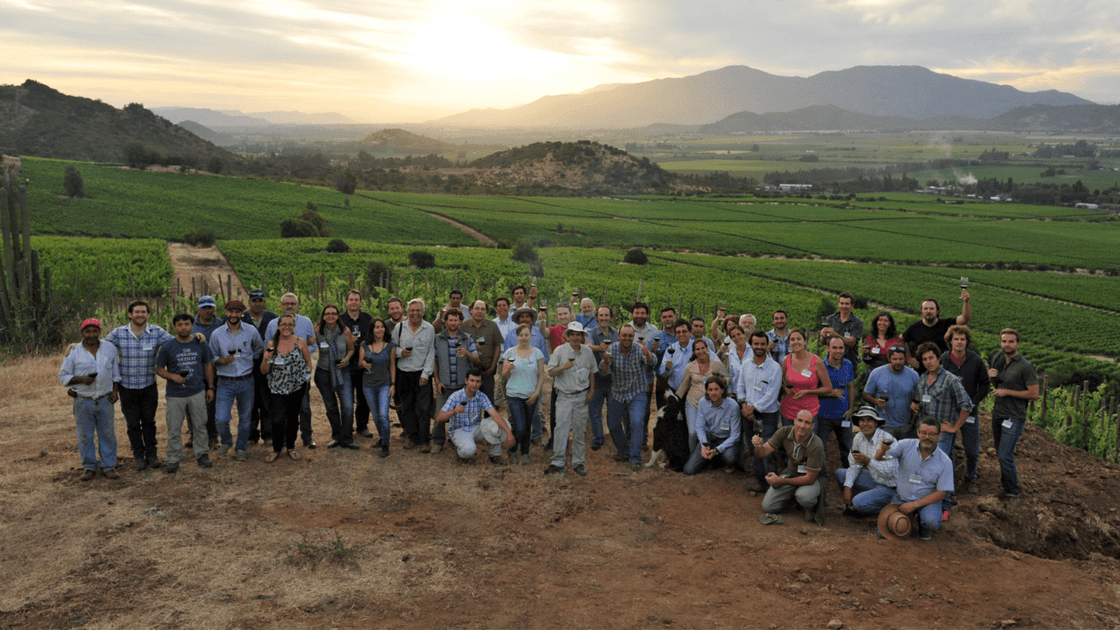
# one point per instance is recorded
(1016, 384)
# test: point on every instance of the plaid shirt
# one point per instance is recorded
(629, 373)
(946, 397)
(475, 407)
(138, 354)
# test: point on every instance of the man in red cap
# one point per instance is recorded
(91, 371)
(236, 349)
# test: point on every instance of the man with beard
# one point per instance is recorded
(235, 349)
(260, 427)
(779, 336)
(488, 339)
(358, 321)
(933, 328)
(137, 343)
(455, 354)
(925, 476)
(973, 372)
(187, 366)
(941, 396)
(845, 325)
(757, 388)
(890, 388)
(599, 338)
(1016, 385)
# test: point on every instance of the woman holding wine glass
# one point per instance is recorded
(378, 356)
(692, 388)
(285, 365)
(523, 371)
(804, 378)
(880, 338)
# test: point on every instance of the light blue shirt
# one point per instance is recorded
(759, 385)
(246, 345)
(918, 478)
(80, 362)
(718, 422)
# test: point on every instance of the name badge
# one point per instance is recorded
(845, 423)
(970, 420)
(874, 351)
(279, 361)
(915, 477)
(324, 345)
(758, 387)
(806, 373)
(802, 469)
(926, 399)
(725, 428)
(356, 329)
(1007, 424)
(146, 348)
(847, 335)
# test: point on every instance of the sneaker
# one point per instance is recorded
(365, 433)
(554, 470)
(334, 444)
(437, 449)
(635, 467)
(141, 464)
(498, 461)
(409, 445)
(87, 475)
(945, 516)
(110, 474)
(580, 470)
(204, 462)
(427, 448)
(526, 460)
(240, 455)
(541, 441)
(309, 444)
(926, 535)
(223, 449)
(172, 468)
(596, 446)
(1012, 499)
(384, 452)
(213, 443)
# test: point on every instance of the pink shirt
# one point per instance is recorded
(800, 382)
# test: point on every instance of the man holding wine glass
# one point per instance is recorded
(932, 327)
(187, 366)
(890, 388)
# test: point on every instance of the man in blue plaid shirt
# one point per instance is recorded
(941, 395)
(629, 366)
(463, 412)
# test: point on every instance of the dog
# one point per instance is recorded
(670, 435)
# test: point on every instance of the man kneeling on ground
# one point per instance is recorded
(805, 459)
(466, 426)
(925, 475)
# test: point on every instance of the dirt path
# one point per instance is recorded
(482, 238)
(207, 267)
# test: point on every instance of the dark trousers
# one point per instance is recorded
(552, 418)
(212, 419)
(285, 417)
(416, 406)
(139, 409)
(260, 422)
(305, 417)
(361, 407)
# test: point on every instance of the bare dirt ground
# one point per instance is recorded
(475, 234)
(207, 266)
(475, 546)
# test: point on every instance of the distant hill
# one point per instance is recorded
(400, 142)
(37, 120)
(233, 118)
(584, 167)
(1071, 118)
(205, 133)
(908, 91)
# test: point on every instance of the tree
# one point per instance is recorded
(636, 257)
(422, 259)
(215, 164)
(338, 246)
(346, 183)
(296, 228)
(200, 238)
(72, 182)
(135, 155)
(312, 216)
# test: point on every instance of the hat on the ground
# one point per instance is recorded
(92, 321)
(575, 327)
(893, 524)
(206, 300)
(256, 294)
(867, 411)
(235, 305)
(525, 309)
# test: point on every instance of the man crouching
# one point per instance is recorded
(805, 459)
(466, 426)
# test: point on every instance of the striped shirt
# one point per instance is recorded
(138, 354)
(474, 408)
(629, 372)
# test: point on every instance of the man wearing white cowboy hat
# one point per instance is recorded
(925, 476)
(571, 367)
(864, 472)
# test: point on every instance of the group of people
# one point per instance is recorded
(747, 395)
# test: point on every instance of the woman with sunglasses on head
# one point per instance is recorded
(881, 336)
(285, 365)
(332, 376)
(376, 355)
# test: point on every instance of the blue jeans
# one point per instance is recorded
(521, 413)
(1005, 439)
(696, 461)
(628, 440)
(338, 404)
(874, 500)
(228, 391)
(970, 440)
(595, 410)
(826, 426)
(378, 400)
(945, 443)
(95, 418)
(863, 482)
(768, 464)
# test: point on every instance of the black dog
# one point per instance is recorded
(670, 435)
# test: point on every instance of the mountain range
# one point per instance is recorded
(908, 91)
(233, 118)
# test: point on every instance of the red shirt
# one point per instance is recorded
(556, 336)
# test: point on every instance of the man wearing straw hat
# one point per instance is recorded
(571, 366)
(925, 476)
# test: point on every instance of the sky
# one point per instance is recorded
(382, 61)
